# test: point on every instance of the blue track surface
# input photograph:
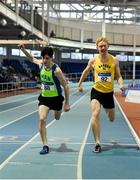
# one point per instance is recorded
(70, 140)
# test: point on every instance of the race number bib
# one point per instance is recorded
(104, 77)
(47, 87)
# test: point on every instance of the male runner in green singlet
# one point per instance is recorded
(51, 97)
(105, 66)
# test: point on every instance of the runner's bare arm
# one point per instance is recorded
(85, 74)
(64, 83)
(119, 76)
(29, 56)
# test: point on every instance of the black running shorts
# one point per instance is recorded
(106, 99)
(53, 103)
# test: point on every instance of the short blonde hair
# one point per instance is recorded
(99, 39)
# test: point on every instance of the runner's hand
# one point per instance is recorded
(21, 46)
(66, 107)
(80, 89)
(122, 87)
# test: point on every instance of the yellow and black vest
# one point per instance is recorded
(104, 74)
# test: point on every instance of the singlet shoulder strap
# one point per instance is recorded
(41, 66)
(54, 67)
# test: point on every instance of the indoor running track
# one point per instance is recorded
(70, 140)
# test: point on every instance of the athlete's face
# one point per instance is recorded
(47, 59)
(102, 47)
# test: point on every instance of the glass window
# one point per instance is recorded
(131, 58)
(121, 57)
(22, 54)
(87, 56)
(137, 58)
(36, 53)
(3, 51)
(65, 55)
(15, 52)
(76, 56)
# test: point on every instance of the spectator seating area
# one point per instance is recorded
(73, 71)
(12, 70)
(71, 67)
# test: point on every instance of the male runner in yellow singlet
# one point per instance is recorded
(105, 66)
(51, 97)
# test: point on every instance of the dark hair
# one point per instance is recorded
(47, 50)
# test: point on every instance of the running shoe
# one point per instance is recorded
(97, 148)
(45, 150)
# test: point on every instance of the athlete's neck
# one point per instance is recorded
(103, 57)
(48, 66)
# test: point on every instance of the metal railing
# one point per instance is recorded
(14, 86)
(71, 78)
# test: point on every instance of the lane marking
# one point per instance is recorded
(64, 164)
(11, 109)
(18, 100)
(76, 143)
(19, 163)
(4, 163)
(80, 156)
(22, 147)
(18, 119)
(133, 132)
(26, 114)
(79, 164)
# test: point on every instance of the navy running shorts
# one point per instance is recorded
(105, 99)
(53, 103)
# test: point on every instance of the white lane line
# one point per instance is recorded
(75, 143)
(11, 109)
(18, 119)
(80, 156)
(22, 147)
(16, 163)
(19, 163)
(133, 132)
(29, 142)
(8, 102)
(79, 164)
(66, 164)
(79, 99)
(26, 114)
